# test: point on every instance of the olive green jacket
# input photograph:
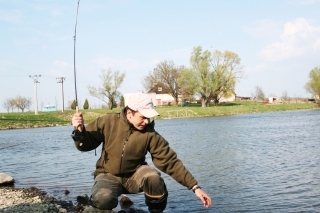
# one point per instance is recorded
(125, 148)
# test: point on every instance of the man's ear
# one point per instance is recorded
(129, 112)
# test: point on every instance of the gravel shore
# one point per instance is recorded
(33, 200)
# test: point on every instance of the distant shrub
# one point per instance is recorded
(86, 104)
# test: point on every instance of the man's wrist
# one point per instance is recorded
(76, 135)
(194, 188)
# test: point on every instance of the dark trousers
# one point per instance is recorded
(107, 188)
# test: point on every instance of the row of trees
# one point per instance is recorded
(85, 105)
(258, 95)
(19, 102)
(22, 103)
(312, 86)
(211, 76)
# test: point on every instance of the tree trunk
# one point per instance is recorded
(208, 103)
(110, 105)
(203, 102)
(177, 100)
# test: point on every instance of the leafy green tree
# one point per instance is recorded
(313, 85)
(187, 84)
(165, 73)
(226, 70)
(108, 92)
(86, 104)
(212, 75)
(73, 105)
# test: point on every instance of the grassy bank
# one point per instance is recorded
(17, 120)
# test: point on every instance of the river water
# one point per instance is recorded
(266, 162)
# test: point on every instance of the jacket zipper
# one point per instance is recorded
(124, 145)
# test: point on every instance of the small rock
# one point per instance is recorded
(6, 179)
(62, 210)
(125, 202)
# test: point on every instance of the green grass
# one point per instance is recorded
(17, 120)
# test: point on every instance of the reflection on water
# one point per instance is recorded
(266, 162)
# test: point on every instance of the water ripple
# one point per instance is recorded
(266, 162)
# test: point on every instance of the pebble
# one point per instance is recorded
(33, 200)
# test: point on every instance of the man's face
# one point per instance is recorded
(137, 119)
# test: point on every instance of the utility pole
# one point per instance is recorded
(61, 80)
(35, 81)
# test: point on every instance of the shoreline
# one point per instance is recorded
(32, 199)
(166, 115)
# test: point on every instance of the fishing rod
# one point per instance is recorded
(74, 59)
(74, 65)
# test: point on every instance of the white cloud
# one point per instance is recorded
(317, 45)
(266, 28)
(297, 38)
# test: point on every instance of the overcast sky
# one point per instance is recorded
(278, 42)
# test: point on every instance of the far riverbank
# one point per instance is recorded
(19, 120)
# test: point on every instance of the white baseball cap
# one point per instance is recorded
(142, 102)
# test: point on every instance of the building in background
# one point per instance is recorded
(49, 108)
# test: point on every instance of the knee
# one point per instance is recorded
(154, 186)
(104, 200)
(157, 204)
(154, 179)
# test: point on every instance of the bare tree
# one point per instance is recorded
(22, 102)
(12, 104)
(108, 92)
(258, 94)
(285, 96)
(6, 104)
(165, 73)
